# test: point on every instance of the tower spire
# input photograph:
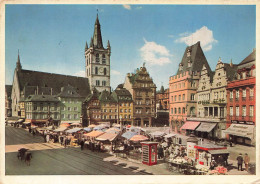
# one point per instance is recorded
(18, 63)
(86, 47)
(97, 37)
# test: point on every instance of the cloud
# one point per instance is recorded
(114, 72)
(204, 35)
(171, 36)
(155, 54)
(127, 6)
(80, 73)
(138, 7)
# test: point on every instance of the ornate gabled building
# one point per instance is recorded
(143, 91)
(241, 102)
(124, 104)
(211, 115)
(183, 86)
(28, 83)
(97, 59)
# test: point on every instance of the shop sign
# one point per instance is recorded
(241, 122)
(234, 121)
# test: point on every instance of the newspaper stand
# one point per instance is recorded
(149, 153)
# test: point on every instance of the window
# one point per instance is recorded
(103, 59)
(175, 110)
(171, 110)
(179, 97)
(237, 94)
(121, 110)
(69, 109)
(125, 110)
(172, 98)
(179, 110)
(237, 110)
(251, 107)
(183, 110)
(96, 70)
(244, 93)
(103, 83)
(75, 116)
(244, 75)
(105, 71)
(183, 97)
(231, 94)
(97, 58)
(97, 83)
(231, 111)
(175, 98)
(75, 108)
(69, 116)
(244, 111)
(192, 96)
(251, 92)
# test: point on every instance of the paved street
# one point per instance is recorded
(54, 160)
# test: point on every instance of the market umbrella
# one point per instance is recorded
(137, 138)
(128, 134)
(76, 124)
(93, 134)
(60, 129)
(134, 129)
(106, 136)
(87, 129)
(98, 128)
(113, 130)
(73, 130)
(64, 125)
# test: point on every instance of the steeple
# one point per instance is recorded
(108, 44)
(18, 63)
(91, 42)
(97, 37)
(86, 47)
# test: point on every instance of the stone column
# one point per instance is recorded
(219, 112)
(213, 111)
(142, 122)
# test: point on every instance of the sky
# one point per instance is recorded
(52, 38)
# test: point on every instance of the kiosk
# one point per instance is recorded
(149, 153)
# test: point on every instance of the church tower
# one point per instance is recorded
(97, 59)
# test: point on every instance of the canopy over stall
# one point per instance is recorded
(93, 134)
(60, 129)
(170, 135)
(137, 138)
(107, 136)
(206, 127)
(129, 135)
(157, 134)
(73, 130)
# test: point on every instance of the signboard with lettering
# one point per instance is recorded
(250, 122)
(234, 121)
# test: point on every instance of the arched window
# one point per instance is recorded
(97, 58)
(103, 59)
(96, 70)
(105, 71)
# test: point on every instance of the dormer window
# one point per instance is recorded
(189, 63)
(188, 53)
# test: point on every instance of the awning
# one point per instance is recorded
(206, 127)
(190, 125)
(106, 136)
(218, 152)
(241, 130)
(21, 120)
(157, 134)
(73, 130)
(26, 122)
(87, 129)
(93, 134)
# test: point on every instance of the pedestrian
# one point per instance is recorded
(239, 162)
(82, 144)
(65, 142)
(61, 140)
(47, 138)
(30, 130)
(212, 164)
(33, 132)
(246, 161)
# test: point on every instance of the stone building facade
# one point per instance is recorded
(97, 60)
(183, 86)
(211, 104)
(241, 103)
(143, 91)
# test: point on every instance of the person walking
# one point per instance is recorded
(239, 162)
(47, 138)
(82, 144)
(246, 161)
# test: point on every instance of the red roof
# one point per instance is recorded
(190, 125)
